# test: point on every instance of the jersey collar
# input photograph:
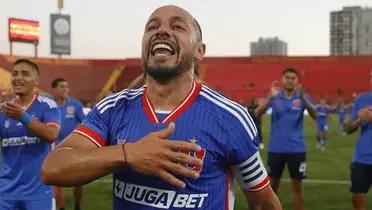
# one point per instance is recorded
(31, 102)
(190, 98)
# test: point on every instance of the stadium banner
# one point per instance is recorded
(21, 30)
(60, 34)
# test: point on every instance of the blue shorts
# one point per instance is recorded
(322, 126)
(43, 204)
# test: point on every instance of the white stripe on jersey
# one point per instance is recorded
(247, 127)
(251, 172)
(113, 98)
(113, 103)
(231, 103)
(52, 104)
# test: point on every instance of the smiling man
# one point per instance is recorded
(28, 125)
(172, 144)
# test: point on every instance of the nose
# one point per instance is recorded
(17, 76)
(163, 32)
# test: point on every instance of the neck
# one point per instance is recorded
(168, 96)
(26, 99)
(289, 93)
(60, 100)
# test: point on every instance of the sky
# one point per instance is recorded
(113, 28)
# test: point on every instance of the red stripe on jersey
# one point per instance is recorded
(31, 102)
(149, 110)
(261, 185)
(190, 98)
(227, 190)
(91, 135)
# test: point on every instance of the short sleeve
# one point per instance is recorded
(243, 156)
(95, 127)
(52, 116)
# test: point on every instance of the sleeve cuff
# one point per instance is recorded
(261, 185)
(91, 135)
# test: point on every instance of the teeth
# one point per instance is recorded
(162, 46)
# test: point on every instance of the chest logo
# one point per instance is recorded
(296, 104)
(70, 110)
(200, 155)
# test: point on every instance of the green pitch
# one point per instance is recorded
(326, 188)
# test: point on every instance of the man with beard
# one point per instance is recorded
(174, 128)
(286, 144)
(28, 125)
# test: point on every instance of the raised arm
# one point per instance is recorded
(364, 115)
(262, 107)
(308, 105)
(84, 162)
(46, 131)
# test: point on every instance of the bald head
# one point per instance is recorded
(171, 44)
(180, 13)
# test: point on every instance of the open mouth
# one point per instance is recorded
(162, 49)
(18, 84)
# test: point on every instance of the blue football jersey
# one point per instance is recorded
(223, 129)
(287, 124)
(363, 152)
(323, 112)
(23, 153)
(71, 116)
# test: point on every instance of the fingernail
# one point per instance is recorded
(198, 147)
(196, 175)
(183, 185)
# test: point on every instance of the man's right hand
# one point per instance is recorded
(156, 155)
(274, 90)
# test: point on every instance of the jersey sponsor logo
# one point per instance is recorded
(200, 155)
(158, 198)
(19, 141)
(296, 104)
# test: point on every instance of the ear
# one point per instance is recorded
(199, 51)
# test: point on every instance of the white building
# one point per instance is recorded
(351, 31)
(269, 46)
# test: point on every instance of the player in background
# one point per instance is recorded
(323, 110)
(257, 120)
(342, 109)
(28, 127)
(146, 131)
(71, 116)
(361, 166)
(287, 144)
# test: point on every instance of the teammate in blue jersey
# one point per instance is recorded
(323, 110)
(167, 129)
(286, 144)
(28, 126)
(361, 166)
(71, 116)
(342, 110)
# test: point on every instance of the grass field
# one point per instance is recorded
(326, 188)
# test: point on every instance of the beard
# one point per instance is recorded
(165, 73)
